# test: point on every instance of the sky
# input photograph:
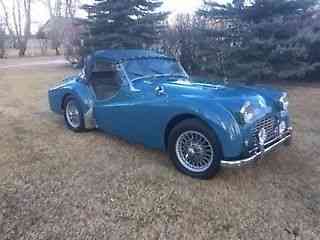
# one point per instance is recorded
(40, 13)
(181, 6)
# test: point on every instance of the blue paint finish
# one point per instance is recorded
(139, 115)
(74, 86)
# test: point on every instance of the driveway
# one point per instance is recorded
(30, 62)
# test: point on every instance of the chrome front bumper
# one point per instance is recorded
(259, 152)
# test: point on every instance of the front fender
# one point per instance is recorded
(221, 121)
(226, 128)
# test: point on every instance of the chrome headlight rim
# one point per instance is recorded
(247, 112)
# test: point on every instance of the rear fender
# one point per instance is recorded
(82, 92)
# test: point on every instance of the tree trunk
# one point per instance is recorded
(22, 52)
(57, 51)
(2, 52)
(22, 49)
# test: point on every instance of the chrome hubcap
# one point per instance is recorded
(194, 151)
(73, 114)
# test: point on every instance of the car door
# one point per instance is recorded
(136, 115)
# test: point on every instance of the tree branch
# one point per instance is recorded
(6, 18)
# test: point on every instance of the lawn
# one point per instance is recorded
(56, 184)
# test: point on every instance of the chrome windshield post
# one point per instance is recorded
(183, 70)
(123, 70)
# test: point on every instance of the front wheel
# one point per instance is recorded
(194, 149)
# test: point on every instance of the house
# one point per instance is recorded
(64, 33)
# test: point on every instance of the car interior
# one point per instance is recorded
(106, 83)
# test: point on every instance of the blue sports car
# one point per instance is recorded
(146, 97)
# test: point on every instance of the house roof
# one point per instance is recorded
(119, 55)
(59, 23)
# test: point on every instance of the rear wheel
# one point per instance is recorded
(73, 114)
(194, 149)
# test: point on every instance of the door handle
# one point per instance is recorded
(159, 90)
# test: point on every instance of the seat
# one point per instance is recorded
(105, 84)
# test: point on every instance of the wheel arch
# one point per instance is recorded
(89, 120)
(178, 119)
(64, 98)
(78, 97)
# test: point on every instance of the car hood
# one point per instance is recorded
(232, 96)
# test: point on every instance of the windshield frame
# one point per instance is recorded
(184, 74)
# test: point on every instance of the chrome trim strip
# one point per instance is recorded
(155, 76)
(257, 155)
(132, 88)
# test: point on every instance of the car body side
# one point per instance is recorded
(142, 117)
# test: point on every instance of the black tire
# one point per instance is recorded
(81, 127)
(198, 126)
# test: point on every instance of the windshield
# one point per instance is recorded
(144, 68)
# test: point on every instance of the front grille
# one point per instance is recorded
(268, 123)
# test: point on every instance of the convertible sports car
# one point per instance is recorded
(146, 97)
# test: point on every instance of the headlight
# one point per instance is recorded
(284, 102)
(247, 112)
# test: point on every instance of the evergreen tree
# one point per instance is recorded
(258, 41)
(308, 43)
(124, 24)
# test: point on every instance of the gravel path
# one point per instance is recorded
(32, 64)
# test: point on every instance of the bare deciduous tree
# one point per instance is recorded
(71, 7)
(20, 26)
(61, 8)
(54, 7)
(60, 11)
(181, 39)
(2, 39)
(43, 40)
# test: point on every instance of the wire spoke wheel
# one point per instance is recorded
(194, 151)
(73, 114)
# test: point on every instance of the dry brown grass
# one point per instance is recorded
(55, 184)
